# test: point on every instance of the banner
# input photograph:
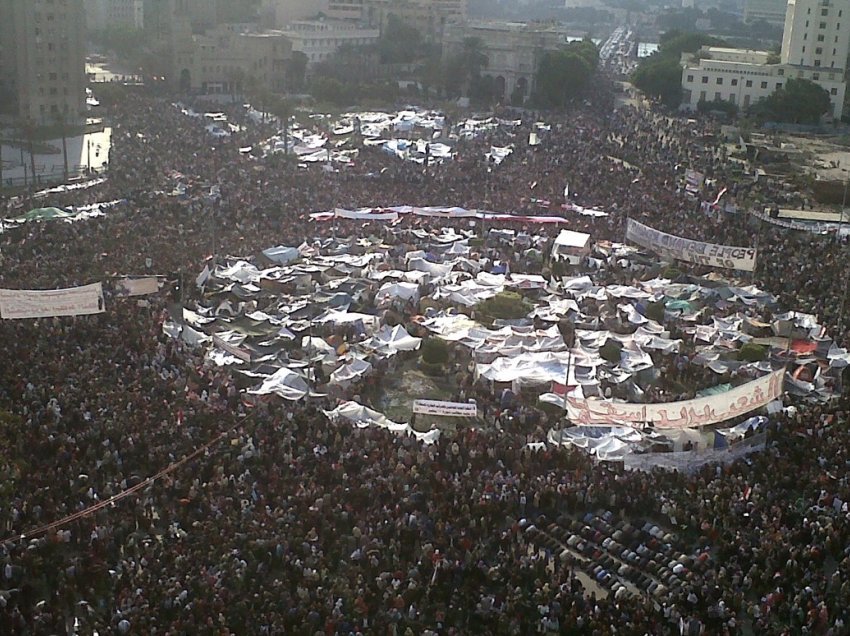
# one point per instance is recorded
(75, 301)
(137, 286)
(693, 181)
(396, 213)
(686, 414)
(446, 409)
(668, 245)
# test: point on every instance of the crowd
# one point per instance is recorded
(296, 525)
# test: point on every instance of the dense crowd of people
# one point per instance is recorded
(294, 524)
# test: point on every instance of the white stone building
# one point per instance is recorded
(320, 39)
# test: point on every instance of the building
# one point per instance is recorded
(744, 77)
(429, 17)
(227, 59)
(513, 51)
(320, 39)
(817, 33)
(276, 14)
(108, 14)
(42, 60)
(771, 11)
(815, 43)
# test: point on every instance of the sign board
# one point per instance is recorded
(445, 409)
(74, 301)
(137, 286)
(668, 245)
(233, 350)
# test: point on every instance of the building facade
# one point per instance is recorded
(320, 39)
(743, 78)
(816, 33)
(107, 14)
(771, 11)
(276, 14)
(513, 51)
(42, 60)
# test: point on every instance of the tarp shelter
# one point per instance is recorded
(284, 383)
(281, 254)
(571, 246)
(43, 214)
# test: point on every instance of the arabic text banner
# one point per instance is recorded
(686, 414)
(75, 301)
(446, 409)
(742, 258)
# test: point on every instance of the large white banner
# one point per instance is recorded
(686, 414)
(75, 301)
(446, 409)
(743, 258)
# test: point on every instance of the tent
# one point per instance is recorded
(284, 383)
(571, 246)
(351, 372)
(43, 214)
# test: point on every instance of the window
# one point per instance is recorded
(734, 82)
(820, 37)
(817, 62)
(822, 25)
(824, 12)
(717, 97)
(815, 77)
(720, 81)
(819, 51)
(705, 79)
(749, 84)
(780, 72)
(690, 78)
(764, 84)
(833, 91)
(778, 85)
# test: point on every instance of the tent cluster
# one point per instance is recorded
(412, 135)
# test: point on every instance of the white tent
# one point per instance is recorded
(571, 246)
(284, 383)
(396, 339)
(351, 372)
(281, 254)
(403, 290)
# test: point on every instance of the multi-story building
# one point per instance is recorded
(42, 59)
(817, 33)
(105, 14)
(815, 43)
(230, 58)
(771, 11)
(320, 39)
(279, 13)
(513, 51)
(430, 17)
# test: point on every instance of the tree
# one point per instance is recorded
(296, 71)
(561, 76)
(660, 74)
(799, 101)
(62, 122)
(282, 109)
(399, 43)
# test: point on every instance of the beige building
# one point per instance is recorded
(513, 51)
(42, 59)
(226, 59)
(430, 17)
